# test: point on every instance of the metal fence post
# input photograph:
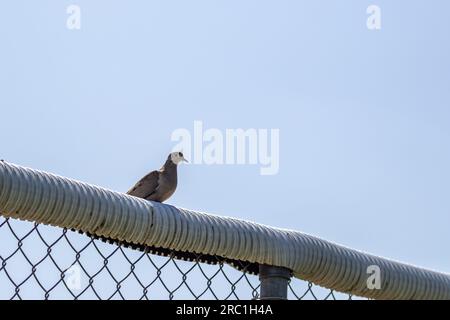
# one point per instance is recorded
(274, 282)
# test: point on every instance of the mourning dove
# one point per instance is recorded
(159, 185)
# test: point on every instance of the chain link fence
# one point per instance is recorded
(43, 262)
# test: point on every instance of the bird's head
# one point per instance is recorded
(177, 157)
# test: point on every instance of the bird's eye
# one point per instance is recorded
(180, 154)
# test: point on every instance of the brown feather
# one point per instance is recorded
(158, 185)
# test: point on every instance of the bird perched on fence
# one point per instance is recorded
(159, 185)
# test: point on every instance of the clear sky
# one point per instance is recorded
(364, 116)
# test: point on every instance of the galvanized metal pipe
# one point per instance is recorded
(33, 195)
(274, 282)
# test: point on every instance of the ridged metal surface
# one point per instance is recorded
(33, 195)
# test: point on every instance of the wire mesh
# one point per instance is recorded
(43, 262)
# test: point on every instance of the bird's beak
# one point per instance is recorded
(184, 159)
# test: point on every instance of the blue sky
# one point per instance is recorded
(364, 116)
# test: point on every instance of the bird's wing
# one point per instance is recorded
(146, 186)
